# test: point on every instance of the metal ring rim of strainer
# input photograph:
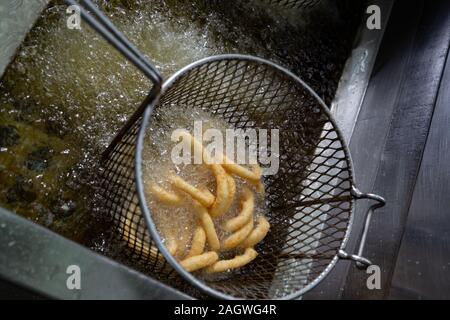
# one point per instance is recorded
(140, 185)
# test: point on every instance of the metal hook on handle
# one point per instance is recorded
(100, 23)
(361, 262)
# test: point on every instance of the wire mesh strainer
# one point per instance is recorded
(310, 200)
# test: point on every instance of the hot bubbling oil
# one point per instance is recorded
(68, 93)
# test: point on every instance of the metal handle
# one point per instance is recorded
(100, 23)
(362, 262)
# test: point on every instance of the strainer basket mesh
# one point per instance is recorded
(309, 200)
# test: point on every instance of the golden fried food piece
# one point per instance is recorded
(231, 193)
(172, 246)
(199, 262)
(260, 188)
(208, 225)
(164, 196)
(237, 262)
(252, 176)
(198, 243)
(238, 237)
(257, 183)
(231, 188)
(258, 234)
(197, 145)
(203, 196)
(223, 196)
(257, 169)
(247, 205)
